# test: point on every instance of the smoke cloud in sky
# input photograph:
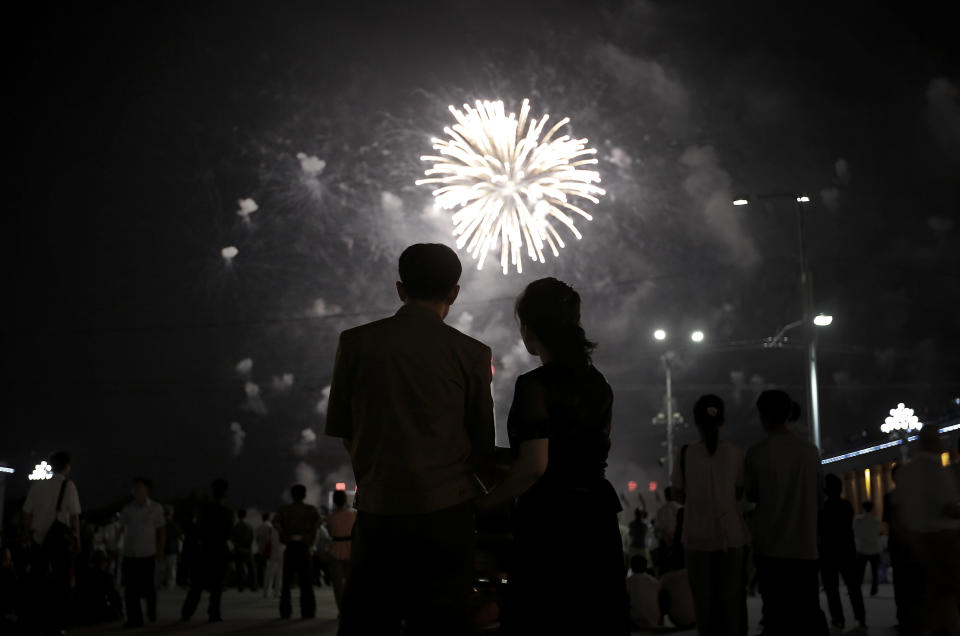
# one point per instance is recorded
(254, 402)
(305, 474)
(247, 207)
(324, 400)
(282, 383)
(237, 435)
(244, 367)
(306, 443)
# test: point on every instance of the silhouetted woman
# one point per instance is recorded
(709, 478)
(568, 573)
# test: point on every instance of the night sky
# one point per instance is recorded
(138, 127)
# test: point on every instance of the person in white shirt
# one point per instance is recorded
(926, 519)
(143, 524)
(709, 479)
(273, 553)
(261, 537)
(52, 501)
(782, 476)
(644, 592)
(866, 535)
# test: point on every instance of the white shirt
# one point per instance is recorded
(679, 605)
(644, 591)
(261, 536)
(42, 504)
(712, 519)
(924, 487)
(866, 534)
(140, 524)
(782, 476)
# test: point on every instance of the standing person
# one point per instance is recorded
(411, 399)
(297, 524)
(709, 479)
(782, 477)
(143, 524)
(559, 428)
(340, 523)
(171, 549)
(866, 535)
(242, 539)
(273, 551)
(261, 539)
(213, 534)
(51, 518)
(665, 529)
(838, 554)
(926, 517)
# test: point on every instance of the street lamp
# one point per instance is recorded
(806, 295)
(667, 360)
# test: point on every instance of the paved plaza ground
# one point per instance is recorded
(250, 613)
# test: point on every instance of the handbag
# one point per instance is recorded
(61, 540)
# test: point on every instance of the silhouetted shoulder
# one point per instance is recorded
(472, 346)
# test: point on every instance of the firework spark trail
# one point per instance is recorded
(509, 182)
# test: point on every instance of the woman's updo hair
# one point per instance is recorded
(708, 416)
(551, 310)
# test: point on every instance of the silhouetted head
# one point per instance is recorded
(298, 492)
(265, 517)
(774, 407)
(429, 272)
(339, 498)
(930, 439)
(638, 564)
(549, 315)
(60, 462)
(832, 485)
(668, 493)
(140, 487)
(708, 416)
(242, 514)
(795, 411)
(867, 506)
(894, 471)
(218, 489)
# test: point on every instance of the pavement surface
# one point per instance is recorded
(250, 613)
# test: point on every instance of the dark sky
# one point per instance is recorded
(138, 126)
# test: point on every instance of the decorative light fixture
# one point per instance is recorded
(660, 334)
(41, 472)
(901, 419)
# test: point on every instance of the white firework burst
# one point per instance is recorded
(510, 182)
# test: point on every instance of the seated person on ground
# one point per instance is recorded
(676, 600)
(644, 591)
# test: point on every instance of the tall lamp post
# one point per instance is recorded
(806, 296)
(666, 359)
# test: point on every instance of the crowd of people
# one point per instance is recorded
(411, 401)
(60, 568)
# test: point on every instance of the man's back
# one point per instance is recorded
(297, 522)
(412, 397)
(783, 476)
(216, 521)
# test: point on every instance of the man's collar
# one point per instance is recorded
(418, 311)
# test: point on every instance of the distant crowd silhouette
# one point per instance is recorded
(449, 535)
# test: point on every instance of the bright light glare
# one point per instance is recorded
(340, 486)
(41, 471)
(229, 252)
(697, 336)
(509, 182)
(660, 334)
(740, 202)
(901, 419)
(6, 469)
(803, 199)
(823, 320)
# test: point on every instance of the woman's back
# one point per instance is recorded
(711, 483)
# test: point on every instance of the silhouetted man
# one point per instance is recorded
(143, 542)
(411, 399)
(866, 533)
(782, 476)
(242, 538)
(216, 521)
(297, 524)
(51, 517)
(838, 554)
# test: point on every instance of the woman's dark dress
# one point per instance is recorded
(568, 571)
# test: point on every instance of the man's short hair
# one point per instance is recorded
(242, 513)
(59, 461)
(339, 497)
(266, 516)
(143, 480)
(638, 563)
(298, 492)
(219, 488)
(867, 505)
(429, 271)
(774, 406)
